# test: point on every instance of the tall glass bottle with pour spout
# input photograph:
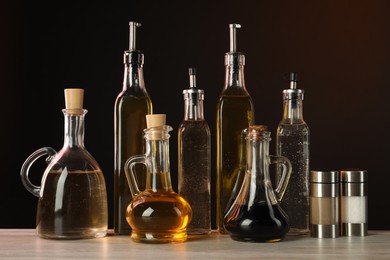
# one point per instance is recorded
(156, 214)
(194, 159)
(72, 196)
(235, 113)
(293, 142)
(131, 107)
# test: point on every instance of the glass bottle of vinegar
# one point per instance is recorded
(194, 159)
(255, 214)
(72, 196)
(131, 107)
(156, 214)
(235, 112)
(293, 142)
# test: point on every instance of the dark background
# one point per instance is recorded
(339, 48)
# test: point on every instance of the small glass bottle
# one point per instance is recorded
(72, 196)
(157, 214)
(292, 141)
(131, 107)
(235, 112)
(255, 215)
(194, 159)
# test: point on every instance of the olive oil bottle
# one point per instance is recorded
(156, 214)
(131, 107)
(235, 112)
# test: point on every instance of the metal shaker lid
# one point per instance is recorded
(354, 175)
(324, 176)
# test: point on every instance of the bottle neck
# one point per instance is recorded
(257, 151)
(293, 110)
(158, 169)
(193, 109)
(74, 128)
(258, 160)
(234, 76)
(133, 76)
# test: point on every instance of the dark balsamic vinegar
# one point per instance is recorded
(258, 223)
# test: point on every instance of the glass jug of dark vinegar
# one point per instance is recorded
(255, 214)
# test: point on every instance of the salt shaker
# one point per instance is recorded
(324, 204)
(353, 202)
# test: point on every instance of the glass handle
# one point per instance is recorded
(24, 171)
(130, 173)
(283, 182)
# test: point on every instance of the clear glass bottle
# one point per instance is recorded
(235, 112)
(131, 107)
(194, 159)
(255, 215)
(293, 142)
(156, 214)
(72, 196)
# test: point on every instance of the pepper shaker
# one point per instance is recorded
(324, 204)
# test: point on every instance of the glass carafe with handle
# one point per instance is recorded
(157, 214)
(255, 215)
(72, 195)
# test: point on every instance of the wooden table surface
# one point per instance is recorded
(23, 243)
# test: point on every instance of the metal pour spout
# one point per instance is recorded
(293, 80)
(132, 35)
(192, 73)
(232, 28)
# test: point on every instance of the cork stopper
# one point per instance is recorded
(156, 128)
(154, 120)
(258, 132)
(74, 98)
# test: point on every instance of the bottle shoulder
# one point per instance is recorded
(288, 129)
(194, 126)
(134, 91)
(234, 91)
(138, 99)
(77, 158)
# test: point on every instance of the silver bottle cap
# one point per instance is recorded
(193, 93)
(293, 92)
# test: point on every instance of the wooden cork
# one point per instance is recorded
(153, 120)
(74, 98)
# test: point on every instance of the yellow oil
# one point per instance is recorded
(159, 216)
(130, 121)
(234, 114)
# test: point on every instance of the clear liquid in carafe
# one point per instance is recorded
(72, 205)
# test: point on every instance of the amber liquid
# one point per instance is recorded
(130, 121)
(259, 223)
(234, 114)
(159, 217)
(73, 205)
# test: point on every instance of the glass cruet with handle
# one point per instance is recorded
(157, 214)
(72, 196)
